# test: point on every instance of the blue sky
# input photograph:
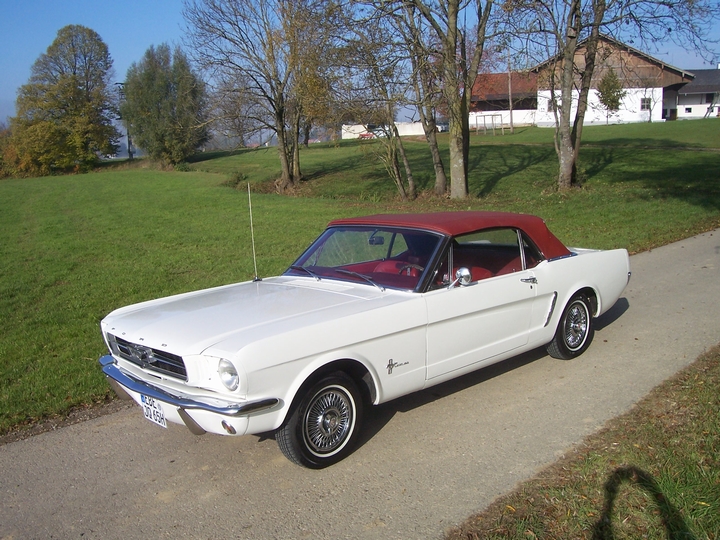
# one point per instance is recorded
(128, 27)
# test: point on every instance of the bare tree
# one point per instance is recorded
(461, 50)
(426, 79)
(256, 49)
(376, 75)
(568, 32)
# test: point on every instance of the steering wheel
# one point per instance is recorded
(410, 266)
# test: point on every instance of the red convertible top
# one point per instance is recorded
(457, 223)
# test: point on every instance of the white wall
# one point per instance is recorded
(352, 131)
(693, 106)
(630, 108)
(405, 129)
(484, 119)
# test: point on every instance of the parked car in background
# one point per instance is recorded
(376, 308)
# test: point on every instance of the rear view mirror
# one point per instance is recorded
(376, 240)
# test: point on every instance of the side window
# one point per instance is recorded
(488, 253)
(532, 254)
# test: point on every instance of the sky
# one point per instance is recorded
(129, 28)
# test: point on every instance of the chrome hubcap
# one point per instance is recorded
(576, 324)
(329, 420)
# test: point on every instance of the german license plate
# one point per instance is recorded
(153, 411)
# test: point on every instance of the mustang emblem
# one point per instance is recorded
(392, 365)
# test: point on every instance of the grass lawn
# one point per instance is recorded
(74, 248)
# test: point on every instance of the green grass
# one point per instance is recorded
(651, 473)
(73, 248)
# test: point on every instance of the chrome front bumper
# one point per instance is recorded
(121, 380)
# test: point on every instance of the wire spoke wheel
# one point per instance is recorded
(328, 421)
(574, 331)
(576, 325)
(323, 425)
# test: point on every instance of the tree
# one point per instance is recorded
(261, 48)
(378, 70)
(460, 51)
(66, 110)
(426, 79)
(610, 92)
(165, 105)
(561, 29)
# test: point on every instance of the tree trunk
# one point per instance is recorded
(412, 192)
(423, 91)
(286, 176)
(430, 129)
(458, 156)
(565, 146)
(395, 170)
(452, 91)
(307, 127)
(296, 174)
(585, 83)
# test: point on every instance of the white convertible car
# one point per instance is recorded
(376, 308)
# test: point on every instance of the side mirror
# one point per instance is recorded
(462, 276)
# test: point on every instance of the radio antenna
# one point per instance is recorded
(252, 235)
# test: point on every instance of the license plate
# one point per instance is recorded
(153, 411)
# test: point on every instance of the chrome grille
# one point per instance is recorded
(148, 358)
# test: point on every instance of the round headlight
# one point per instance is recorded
(228, 375)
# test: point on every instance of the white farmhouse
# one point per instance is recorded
(654, 90)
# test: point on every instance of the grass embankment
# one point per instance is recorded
(74, 248)
(651, 473)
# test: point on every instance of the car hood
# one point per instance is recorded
(190, 323)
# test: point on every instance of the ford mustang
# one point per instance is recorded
(376, 308)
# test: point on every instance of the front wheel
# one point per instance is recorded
(323, 428)
(575, 330)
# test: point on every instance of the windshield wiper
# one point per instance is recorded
(298, 267)
(361, 276)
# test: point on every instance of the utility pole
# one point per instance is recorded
(510, 101)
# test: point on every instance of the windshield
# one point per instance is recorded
(379, 256)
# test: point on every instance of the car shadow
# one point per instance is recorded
(377, 417)
(612, 314)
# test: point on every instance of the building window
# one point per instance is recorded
(645, 103)
(709, 98)
(688, 109)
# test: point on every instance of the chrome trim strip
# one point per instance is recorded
(113, 372)
(552, 309)
(572, 254)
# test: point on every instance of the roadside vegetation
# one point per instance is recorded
(73, 248)
(651, 473)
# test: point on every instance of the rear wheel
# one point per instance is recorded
(323, 428)
(575, 330)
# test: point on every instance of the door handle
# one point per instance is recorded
(529, 280)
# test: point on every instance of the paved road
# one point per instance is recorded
(425, 463)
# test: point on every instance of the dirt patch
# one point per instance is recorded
(74, 416)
